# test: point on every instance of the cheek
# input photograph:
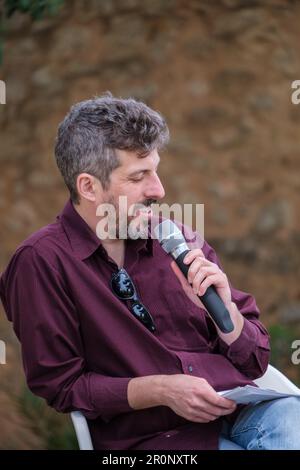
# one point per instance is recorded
(127, 195)
(135, 196)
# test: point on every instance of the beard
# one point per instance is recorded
(132, 222)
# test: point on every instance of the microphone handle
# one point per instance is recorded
(211, 300)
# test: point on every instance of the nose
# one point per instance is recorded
(155, 189)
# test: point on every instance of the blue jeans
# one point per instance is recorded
(268, 425)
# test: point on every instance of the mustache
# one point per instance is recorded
(148, 202)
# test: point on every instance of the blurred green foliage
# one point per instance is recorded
(55, 429)
(36, 9)
(282, 337)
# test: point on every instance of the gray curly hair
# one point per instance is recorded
(93, 129)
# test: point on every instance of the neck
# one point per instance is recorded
(87, 215)
(115, 248)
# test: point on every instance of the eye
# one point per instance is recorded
(136, 179)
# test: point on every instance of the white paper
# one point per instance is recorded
(250, 394)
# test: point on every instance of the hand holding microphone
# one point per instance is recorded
(203, 273)
(173, 242)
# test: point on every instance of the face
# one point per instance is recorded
(137, 179)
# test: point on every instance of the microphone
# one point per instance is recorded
(174, 243)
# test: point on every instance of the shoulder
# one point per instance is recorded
(42, 247)
(45, 237)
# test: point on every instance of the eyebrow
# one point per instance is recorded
(142, 170)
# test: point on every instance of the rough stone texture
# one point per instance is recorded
(221, 73)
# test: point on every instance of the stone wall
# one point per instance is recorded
(220, 72)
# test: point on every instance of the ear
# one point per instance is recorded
(88, 186)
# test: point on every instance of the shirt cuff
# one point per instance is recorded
(109, 395)
(240, 350)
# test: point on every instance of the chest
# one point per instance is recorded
(180, 323)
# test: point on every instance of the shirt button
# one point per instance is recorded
(190, 368)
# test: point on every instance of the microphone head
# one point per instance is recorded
(169, 235)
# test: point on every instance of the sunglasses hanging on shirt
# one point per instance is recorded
(123, 288)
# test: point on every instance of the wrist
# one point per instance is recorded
(238, 322)
(147, 391)
(161, 392)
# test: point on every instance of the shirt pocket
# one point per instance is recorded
(180, 323)
(190, 321)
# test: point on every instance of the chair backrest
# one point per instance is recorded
(272, 378)
(82, 431)
(275, 380)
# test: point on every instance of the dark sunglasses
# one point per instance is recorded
(123, 287)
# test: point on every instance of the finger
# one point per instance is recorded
(192, 255)
(215, 410)
(222, 402)
(201, 275)
(214, 399)
(195, 267)
(213, 279)
(210, 412)
(202, 417)
(228, 411)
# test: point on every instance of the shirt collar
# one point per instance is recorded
(84, 240)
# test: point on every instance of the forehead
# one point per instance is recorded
(131, 161)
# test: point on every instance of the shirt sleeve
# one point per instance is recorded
(45, 320)
(250, 352)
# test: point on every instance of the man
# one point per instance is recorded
(108, 326)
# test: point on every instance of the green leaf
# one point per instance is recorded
(36, 9)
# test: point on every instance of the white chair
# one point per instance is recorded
(82, 431)
(272, 378)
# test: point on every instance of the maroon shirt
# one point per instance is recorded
(81, 345)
